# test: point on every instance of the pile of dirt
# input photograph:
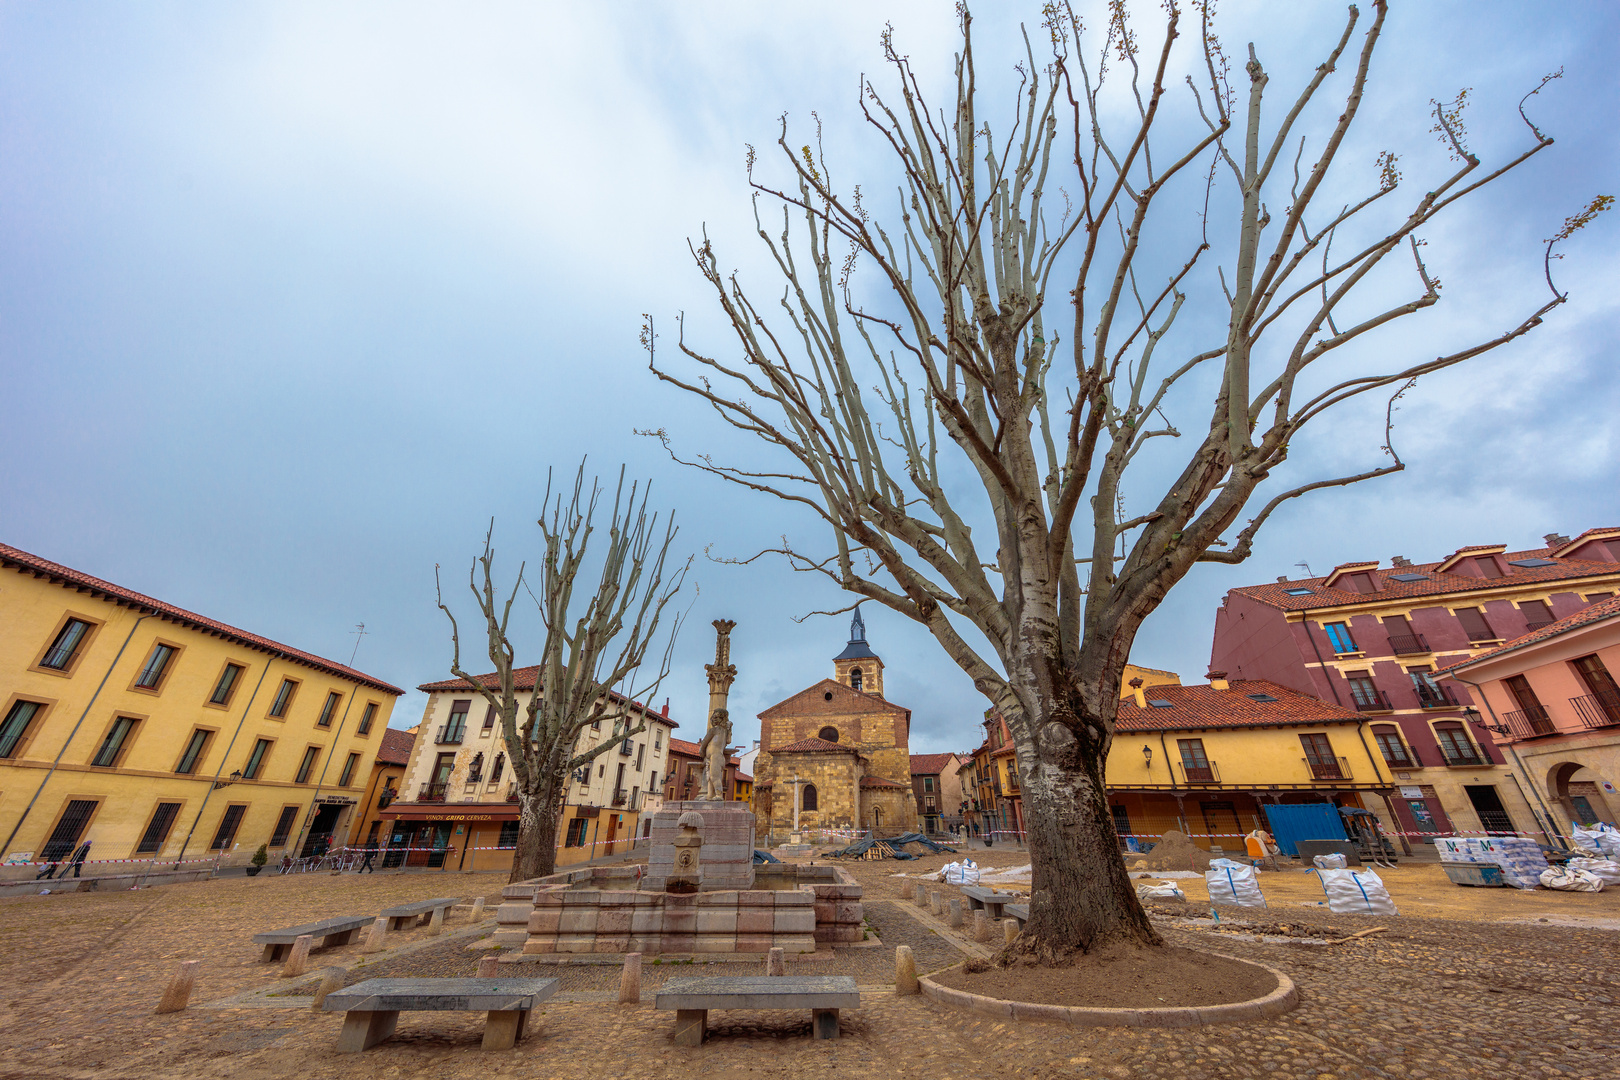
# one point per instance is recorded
(1173, 852)
(1121, 978)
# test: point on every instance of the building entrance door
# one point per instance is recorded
(1488, 805)
(321, 829)
(1221, 820)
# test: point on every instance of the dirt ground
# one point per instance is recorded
(1465, 982)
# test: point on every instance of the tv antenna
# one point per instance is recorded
(359, 632)
(1307, 567)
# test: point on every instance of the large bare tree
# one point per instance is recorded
(591, 661)
(945, 351)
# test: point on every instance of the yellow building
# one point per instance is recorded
(384, 787)
(158, 735)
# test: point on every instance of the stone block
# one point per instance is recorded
(680, 922)
(756, 898)
(648, 944)
(545, 920)
(548, 899)
(956, 912)
(646, 920)
(611, 943)
(582, 898)
(795, 943)
(846, 911)
(613, 920)
(576, 943)
(799, 898)
(756, 920)
(717, 921)
(795, 921)
(839, 934)
(775, 963)
(754, 943)
(540, 946)
(824, 911)
(579, 920)
(630, 979)
(677, 943)
(513, 913)
(715, 943)
(178, 993)
(717, 899)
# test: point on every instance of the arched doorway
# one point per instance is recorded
(1578, 790)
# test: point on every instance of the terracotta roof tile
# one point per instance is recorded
(16, 557)
(929, 764)
(1603, 609)
(396, 747)
(1204, 706)
(681, 746)
(814, 746)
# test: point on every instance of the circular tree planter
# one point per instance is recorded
(1281, 1000)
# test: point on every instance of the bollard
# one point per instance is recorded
(178, 993)
(981, 926)
(919, 896)
(630, 980)
(489, 967)
(1009, 930)
(776, 962)
(436, 923)
(377, 938)
(905, 971)
(478, 908)
(297, 957)
(956, 911)
(334, 979)
(933, 903)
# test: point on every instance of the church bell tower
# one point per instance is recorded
(858, 667)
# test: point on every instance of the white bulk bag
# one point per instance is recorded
(1600, 839)
(1166, 890)
(1606, 869)
(965, 872)
(1233, 883)
(1571, 880)
(1330, 862)
(1356, 892)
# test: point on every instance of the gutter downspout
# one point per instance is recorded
(223, 758)
(1361, 726)
(1550, 823)
(52, 770)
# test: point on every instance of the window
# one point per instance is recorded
(367, 717)
(807, 797)
(113, 745)
(1363, 691)
(226, 684)
(194, 752)
(576, 833)
(152, 674)
(1362, 582)
(1597, 679)
(1530, 564)
(1487, 566)
(18, 717)
(157, 830)
(1393, 748)
(1536, 614)
(255, 760)
(1161, 703)
(1430, 694)
(1299, 592)
(1193, 761)
(349, 766)
(1474, 625)
(284, 825)
(828, 733)
(928, 803)
(60, 655)
(329, 709)
(307, 766)
(658, 739)
(509, 835)
(1320, 758)
(1594, 597)
(65, 837)
(500, 767)
(455, 729)
(1339, 637)
(227, 827)
(1407, 579)
(489, 718)
(284, 697)
(641, 755)
(855, 678)
(928, 783)
(1260, 697)
(1455, 745)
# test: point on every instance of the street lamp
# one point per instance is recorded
(235, 776)
(1474, 718)
(1147, 755)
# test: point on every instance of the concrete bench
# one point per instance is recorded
(1017, 911)
(400, 917)
(372, 1007)
(692, 999)
(988, 899)
(339, 931)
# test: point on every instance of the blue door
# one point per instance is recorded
(1292, 822)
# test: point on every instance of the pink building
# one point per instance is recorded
(1552, 699)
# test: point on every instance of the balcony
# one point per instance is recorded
(1473, 759)
(1370, 700)
(1434, 696)
(1331, 769)
(1404, 758)
(1409, 644)
(451, 734)
(625, 749)
(511, 793)
(620, 797)
(1528, 723)
(1601, 709)
(433, 793)
(1207, 773)
(1537, 624)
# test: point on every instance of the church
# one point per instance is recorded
(836, 755)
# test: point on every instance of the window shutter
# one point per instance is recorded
(1474, 624)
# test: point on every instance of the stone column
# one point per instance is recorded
(297, 957)
(477, 908)
(933, 903)
(334, 980)
(981, 926)
(905, 971)
(776, 962)
(630, 980)
(919, 895)
(956, 911)
(1009, 930)
(177, 995)
(489, 967)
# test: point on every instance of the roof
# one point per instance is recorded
(1276, 594)
(815, 746)
(929, 764)
(878, 782)
(744, 777)
(525, 678)
(396, 747)
(16, 558)
(1204, 706)
(856, 650)
(1592, 613)
(681, 746)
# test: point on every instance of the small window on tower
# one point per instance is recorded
(854, 678)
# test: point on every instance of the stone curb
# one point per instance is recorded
(1279, 1001)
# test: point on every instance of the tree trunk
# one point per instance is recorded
(1081, 898)
(536, 854)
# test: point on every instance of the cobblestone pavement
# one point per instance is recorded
(1429, 997)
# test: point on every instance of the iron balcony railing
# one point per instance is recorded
(1207, 773)
(1331, 769)
(620, 797)
(1408, 644)
(1601, 709)
(1528, 723)
(451, 734)
(1434, 696)
(1367, 700)
(433, 792)
(1473, 759)
(1403, 758)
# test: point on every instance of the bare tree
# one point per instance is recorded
(590, 659)
(961, 356)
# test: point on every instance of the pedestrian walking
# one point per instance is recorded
(365, 863)
(78, 858)
(48, 873)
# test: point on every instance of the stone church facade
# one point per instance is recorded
(837, 751)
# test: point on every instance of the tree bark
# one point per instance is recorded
(536, 854)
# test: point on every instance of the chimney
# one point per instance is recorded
(1217, 681)
(665, 709)
(1136, 691)
(1282, 579)
(1400, 560)
(1555, 540)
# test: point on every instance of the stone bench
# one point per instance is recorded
(692, 998)
(371, 1009)
(339, 931)
(991, 901)
(1017, 911)
(400, 917)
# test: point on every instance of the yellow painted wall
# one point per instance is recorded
(1243, 757)
(126, 795)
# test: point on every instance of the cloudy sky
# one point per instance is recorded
(296, 297)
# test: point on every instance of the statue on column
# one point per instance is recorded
(715, 740)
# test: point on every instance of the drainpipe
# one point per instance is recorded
(52, 770)
(225, 757)
(1361, 726)
(1550, 823)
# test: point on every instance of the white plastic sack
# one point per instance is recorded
(1329, 862)
(1606, 869)
(1600, 839)
(1356, 892)
(1233, 883)
(1571, 880)
(965, 872)
(1166, 890)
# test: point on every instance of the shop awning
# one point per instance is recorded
(451, 812)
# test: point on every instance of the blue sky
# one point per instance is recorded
(296, 297)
